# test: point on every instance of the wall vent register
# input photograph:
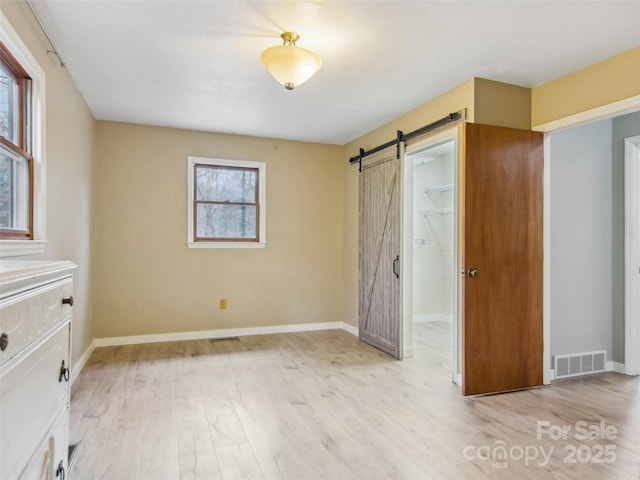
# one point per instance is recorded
(575, 364)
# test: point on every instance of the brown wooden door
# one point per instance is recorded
(502, 257)
(380, 303)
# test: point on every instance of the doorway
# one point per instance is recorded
(591, 194)
(632, 254)
(430, 294)
(496, 300)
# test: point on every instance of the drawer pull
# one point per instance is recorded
(64, 373)
(60, 471)
(4, 341)
(68, 301)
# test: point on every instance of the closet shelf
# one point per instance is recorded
(423, 161)
(422, 241)
(441, 188)
(438, 211)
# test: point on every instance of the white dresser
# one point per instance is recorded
(36, 300)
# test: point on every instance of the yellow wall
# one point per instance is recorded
(614, 79)
(350, 240)
(501, 104)
(70, 165)
(149, 281)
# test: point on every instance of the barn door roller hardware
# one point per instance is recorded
(403, 137)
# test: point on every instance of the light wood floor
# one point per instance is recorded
(321, 405)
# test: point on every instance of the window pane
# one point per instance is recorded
(219, 184)
(14, 190)
(8, 106)
(226, 221)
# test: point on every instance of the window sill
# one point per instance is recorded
(18, 248)
(239, 245)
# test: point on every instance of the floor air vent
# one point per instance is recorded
(579, 364)
(225, 339)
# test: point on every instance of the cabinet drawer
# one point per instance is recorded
(51, 454)
(24, 317)
(59, 442)
(35, 397)
(39, 466)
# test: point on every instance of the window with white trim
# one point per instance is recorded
(22, 169)
(15, 146)
(226, 203)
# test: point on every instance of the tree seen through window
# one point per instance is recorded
(226, 203)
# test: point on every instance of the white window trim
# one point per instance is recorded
(14, 248)
(262, 199)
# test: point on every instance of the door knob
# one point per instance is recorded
(473, 273)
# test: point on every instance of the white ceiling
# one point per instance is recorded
(196, 64)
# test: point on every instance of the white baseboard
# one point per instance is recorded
(223, 333)
(551, 375)
(350, 328)
(432, 318)
(82, 361)
(407, 352)
(615, 367)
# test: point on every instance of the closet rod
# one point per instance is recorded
(451, 118)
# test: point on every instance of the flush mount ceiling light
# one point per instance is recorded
(290, 65)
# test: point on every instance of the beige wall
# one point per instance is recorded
(350, 240)
(597, 85)
(149, 282)
(70, 165)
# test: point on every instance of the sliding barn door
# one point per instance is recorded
(380, 303)
(502, 255)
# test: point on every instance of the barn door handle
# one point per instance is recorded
(396, 262)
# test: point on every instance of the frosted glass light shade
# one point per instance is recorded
(290, 65)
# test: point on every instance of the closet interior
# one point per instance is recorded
(433, 234)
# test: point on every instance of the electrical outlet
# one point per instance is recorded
(223, 304)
